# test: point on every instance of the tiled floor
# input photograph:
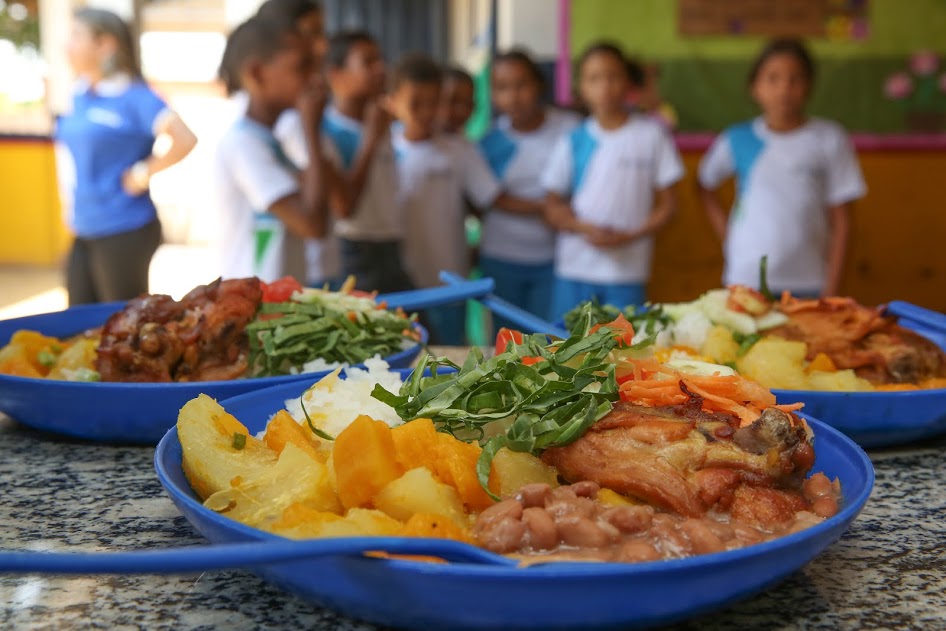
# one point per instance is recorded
(175, 270)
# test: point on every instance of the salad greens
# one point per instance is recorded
(334, 327)
(533, 396)
(649, 317)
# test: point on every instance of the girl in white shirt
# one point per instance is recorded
(796, 180)
(518, 245)
(610, 186)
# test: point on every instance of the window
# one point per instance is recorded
(22, 87)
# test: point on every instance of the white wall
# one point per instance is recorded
(529, 24)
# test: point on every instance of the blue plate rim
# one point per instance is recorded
(848, 513)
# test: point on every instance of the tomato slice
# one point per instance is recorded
(280, 290)
(504, 336)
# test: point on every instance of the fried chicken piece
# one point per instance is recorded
(200, 338)
(685, 460)
(861, 338)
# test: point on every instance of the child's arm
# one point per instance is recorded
(352, 183)
(715, 212)
(665, 207)
(839, 221)
(560, 215)
(519, 205)
(304, 213)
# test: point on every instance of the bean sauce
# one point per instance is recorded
(569, 523)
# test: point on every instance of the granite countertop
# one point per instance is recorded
(887, 572)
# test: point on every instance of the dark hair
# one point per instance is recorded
(341, 44)
(520, 56)
(290, 9)
(635, 74)
(257, 38)
(417, 68)
(458, 74)
(785, 46)
(101, 22)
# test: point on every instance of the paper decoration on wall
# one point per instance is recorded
(833, 19)
(921, 91)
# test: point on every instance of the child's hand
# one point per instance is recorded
(311, 103)
(137, 179)
(377, 118)
(609, 238)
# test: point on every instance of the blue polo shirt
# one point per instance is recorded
(110, 128)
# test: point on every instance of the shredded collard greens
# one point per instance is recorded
(649, 318)
(299, 332)
(502, 402)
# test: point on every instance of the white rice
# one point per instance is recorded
(333, 404)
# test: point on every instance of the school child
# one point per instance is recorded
(267, 207)
(456, 101)
(796, 179)
(518, 245)
(610, 186)
(369, 221)
(323, 262)
(436, 172)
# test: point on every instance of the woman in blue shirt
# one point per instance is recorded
(109, 139)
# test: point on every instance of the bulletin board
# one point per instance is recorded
(784, 18)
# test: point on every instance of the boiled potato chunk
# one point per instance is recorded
(719, 345)
(210, 461)
(81, 354)
(514, 469)
(417, 491)
(260, 499)
(300, 521)
(776, 363)
(839, 381)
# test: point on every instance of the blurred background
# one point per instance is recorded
(881, 73)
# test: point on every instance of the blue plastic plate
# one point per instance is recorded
(416, 595)
(118, 412)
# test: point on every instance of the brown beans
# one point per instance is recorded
(701, 536)
(581, 532)
(541, 531)
(629, 519)
(586, 488)
(818, 486)
(499, 528)
(534, 494)
(825, 507)
(637, 550)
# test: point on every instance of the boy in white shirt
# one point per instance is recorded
(435, 174)
(266, 206)
(610, 186)
(369, 221)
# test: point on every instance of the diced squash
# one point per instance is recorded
(364, 461)
(210, 460)
(435, 526)
(613, 498)
(514, 469)
(283, 429)
(821, 363)
(417, 491)
(419, 444)
(302, 522)
(34, 343)
(260, 499)
(15, 361)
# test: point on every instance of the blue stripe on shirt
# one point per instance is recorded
(583, 145)
(346, 140)
(746, 145)
(498, 150)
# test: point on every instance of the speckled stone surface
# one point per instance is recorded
(887, 572)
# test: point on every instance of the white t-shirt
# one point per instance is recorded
(377, 216)
(250, 174)
(611, 176)
(786, 182)
(323, 259)
(519, 160)
(434, 176)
